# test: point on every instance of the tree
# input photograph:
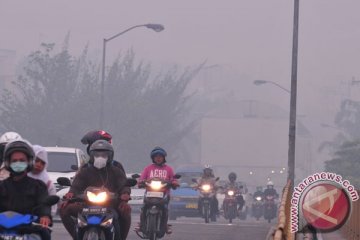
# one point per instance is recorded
(346, 162)
(56, 99)
(345, 147)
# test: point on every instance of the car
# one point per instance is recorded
(63, 162)
(184, 200)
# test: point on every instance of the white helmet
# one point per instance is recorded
(9, 137)
(270, 183)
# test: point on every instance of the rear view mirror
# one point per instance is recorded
(177, 176)
(194, 180)
(74, 167)
(135, 176)
(217, 179)
(130, 182)
(63, 181)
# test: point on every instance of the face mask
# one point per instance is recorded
(100, 162)
(19, 166)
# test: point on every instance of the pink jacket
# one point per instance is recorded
(163, 172)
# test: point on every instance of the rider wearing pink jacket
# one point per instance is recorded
(158, 169)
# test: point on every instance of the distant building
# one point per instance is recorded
(7, 67)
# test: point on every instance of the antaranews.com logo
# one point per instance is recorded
(321, 201)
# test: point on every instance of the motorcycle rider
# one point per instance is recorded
(209, 177)
(39, 170)
(99, 172)
(158, 169)
(92, 136)
(238, 188)
(4, 139)
(258, 193)
(270, 190)
(19, 192)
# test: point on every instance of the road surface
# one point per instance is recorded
(194, 228)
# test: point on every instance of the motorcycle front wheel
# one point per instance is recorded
(94, 234)
(153, 227)
(206, 211)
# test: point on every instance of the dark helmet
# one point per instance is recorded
(101, 146)
(92, 136)
(232, 177)
(18, 146)
(158, 151)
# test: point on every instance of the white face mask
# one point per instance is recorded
(100, 162)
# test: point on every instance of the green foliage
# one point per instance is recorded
(56, 99)
(346, 145)
(346, 162)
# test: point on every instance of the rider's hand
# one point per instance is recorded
(175, 184)
(141, 184)
(124, 208)
(69, 195)
(66, 197)
(45, 221)
(125, 197)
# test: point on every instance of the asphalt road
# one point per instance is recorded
(194, 228)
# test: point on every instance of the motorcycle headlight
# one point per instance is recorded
(231, 193)
(258, 198)
(107, 223)
(206, 187)
(97, 198)
(156, 185)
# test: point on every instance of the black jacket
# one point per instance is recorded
(23, 196)
(112, 177)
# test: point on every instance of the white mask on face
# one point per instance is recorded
(100, 162)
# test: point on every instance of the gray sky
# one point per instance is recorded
(252, 37)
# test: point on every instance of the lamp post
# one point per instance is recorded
(155, 27)
(293, 96)
(261, 82)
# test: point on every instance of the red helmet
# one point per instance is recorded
(92, 136)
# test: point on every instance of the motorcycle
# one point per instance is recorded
(155, 201)
(17, 226)
(269, 208)
(257, 207)
(230, 204)
(207, 195)
(96, 221)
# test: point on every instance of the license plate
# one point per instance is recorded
(191, 205)
(11, 237)
(94, 210)
(155, 194)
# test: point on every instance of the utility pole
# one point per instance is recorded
(292, 122)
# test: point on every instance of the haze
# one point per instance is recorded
(248, 40)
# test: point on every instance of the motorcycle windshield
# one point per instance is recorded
(12, 219)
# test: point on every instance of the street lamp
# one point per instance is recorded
(262, 82)
(155, 27)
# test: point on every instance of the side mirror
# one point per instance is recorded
(74, 167)
(135, 176)
(63, 181)
(130, 182)
(51, 200)
(177, 176)
(217, 179)
(194, 180)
